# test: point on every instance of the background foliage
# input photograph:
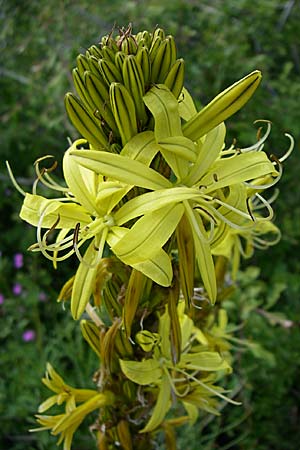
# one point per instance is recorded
(221, 41)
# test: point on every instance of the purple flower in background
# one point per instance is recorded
(17, 289)
(1, 299)
(28, 335)
(42, 296)
(18, 260)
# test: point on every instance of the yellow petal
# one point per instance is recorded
(164, 107)
(161, 407)
(69, 214)
(84, 282)
(151, 201)
(121, 168)
(142, 147)
(148, 235)
(208, 152)
(81, 181)
(243, 167)
(158, 268)
(142, 372)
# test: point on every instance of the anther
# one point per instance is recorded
(55, 224)
(50, 169)
(258, 134)
(206, 212)
(249, 209)
(274, 158)
(76, 234)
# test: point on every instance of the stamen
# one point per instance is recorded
(53, 185)
(208, 388)
(268, 206)
(258, 146)
(174, 389)
(45, 172)
(268, 243)
(256, 205)
(42, 158)
(226, 220)
(44, 247)
(199, 298)
(54, 225)
(13, 180)
(52, 168)
(241, 248)
(268, 185)
(196, 208)
(290, 149)
(142, 319)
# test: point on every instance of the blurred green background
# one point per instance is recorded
(221, 42)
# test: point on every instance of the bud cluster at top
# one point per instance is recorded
(116, 74)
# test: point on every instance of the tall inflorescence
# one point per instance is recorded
(156, 208)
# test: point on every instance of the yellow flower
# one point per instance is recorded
(191, 379)
(86, 213)
(204, 186)
(67, 423)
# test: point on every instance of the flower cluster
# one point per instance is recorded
(66, 424)
(152, 189)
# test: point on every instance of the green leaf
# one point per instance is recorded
(121, 168)
(175, 329)
(186, 325)
(142, 372)
(201, 399)
(164, 332)
(178, 165)
(164, 108)
(133, 295)
(186, 257)
(158, 268)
